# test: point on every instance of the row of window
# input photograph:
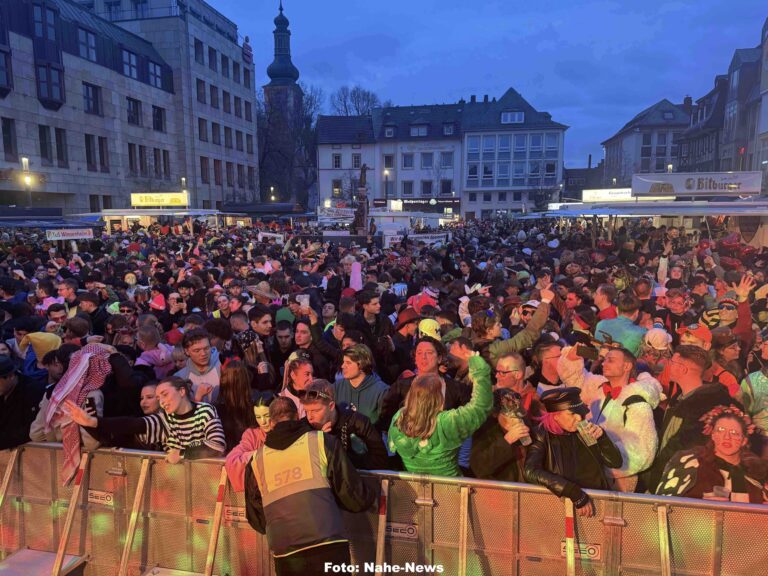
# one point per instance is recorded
(138, 161)
(407, 187)
(212, 96)
(97, 154)
(422, 130)
(215, 63)
(502, 196)
(406, 163)
(660, 164)
(92, 104)
(202, 134)
(230, 167)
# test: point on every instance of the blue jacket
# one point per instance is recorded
(366, 398)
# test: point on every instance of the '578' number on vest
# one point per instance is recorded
(288, 476)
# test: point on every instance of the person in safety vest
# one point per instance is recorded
(295, 488)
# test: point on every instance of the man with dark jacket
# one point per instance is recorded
(376, 328)
(19, 404)
(359, 438)
(295, 487)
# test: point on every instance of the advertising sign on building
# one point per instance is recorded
(697, 184)
(440, 205)
(69, 234)
(336, 212)
(161, 199)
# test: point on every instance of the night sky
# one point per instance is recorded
(591, 64)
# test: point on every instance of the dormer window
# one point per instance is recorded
(512, 117)
(389, 132)
(418, 131)
(447, 129)
(669, 115)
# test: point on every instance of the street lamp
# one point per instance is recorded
(272, 193)
(669, 168)
(386, 184)
(27, 178)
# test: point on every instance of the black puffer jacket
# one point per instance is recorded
(565, 465)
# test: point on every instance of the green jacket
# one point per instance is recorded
(523, 339)
(438, 454)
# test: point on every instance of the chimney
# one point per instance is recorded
(589, 162)
(473, 99)
(688, 105)
(485, 98)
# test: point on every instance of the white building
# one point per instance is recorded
(429, 157)
(87, 111)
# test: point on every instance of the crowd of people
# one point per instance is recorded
(558, 355)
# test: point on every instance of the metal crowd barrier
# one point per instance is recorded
(135, 514)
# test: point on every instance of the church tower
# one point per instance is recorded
(283, 100)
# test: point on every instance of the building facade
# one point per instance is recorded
(576, 180)
(485, 158)
(647, 143)
(741, 110)
(86, 107)
(700, 142)
(762, 129)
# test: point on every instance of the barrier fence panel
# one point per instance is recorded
(462, 525)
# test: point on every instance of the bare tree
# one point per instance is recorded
(355, 101)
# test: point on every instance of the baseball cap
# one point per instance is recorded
(697, 330)
(658, 339)
(431, 328)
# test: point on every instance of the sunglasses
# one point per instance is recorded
(126, 311)
(505, 372)
(726, 307)
(313, 395)
(526, 313)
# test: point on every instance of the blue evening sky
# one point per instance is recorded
(593, 64)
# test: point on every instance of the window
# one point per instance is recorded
(205, 177)
(113, 9)
(504, 142)
(389, 132)
(534, 168)
(521, 142)
(227, 137)
(248, 112)
(389, 161)
(141, 8)
(487, 172)
(645, 165)
(91, 98)
(133, 159)
(669, 115)
(336, 188)
(446, 159)
(143, 161)
(647, 139)
(536, 141)
(213, 60)
(199, 55)
(473, 196)
(356, 161)
(236, 72)
(503, 170)
(734, 82)
(134, 111)
(502, 196)
(217, 173)
(246, 79)
(45, 23)
(251, 175)
(418, 131)
(512, 117)
(216, 133)
(157, 162)
(155, 75)
(517, 196)
(675, 140)
(5, 70)
(427, 160)
(518, 169)
(103, 154)
(230, 174)
(158, 119)
(90, 152)
(9, 140)
(426, 187)
(130, 64)
(86, 44)
(472, 173)
(201, 91)
(552, 141)
(660, 165)
(446, 187)
(214, 95)
(487, 197)
(239, 140)
(107, 202)
(661, 139)
(224, 66)
(46, 145)
(238, 107)
(249, 143)
(447, 129)
(227, 102)
(240, 176)
(473, 148)
(93, 202)
(202, 129)
(167, 164)
(489, 144)
(550, 168)
(407, 161)
(49, 83)
(62, 158)
(407, 187)
(336, 161)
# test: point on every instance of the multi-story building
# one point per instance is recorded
(576, 180)
(213, 83)
(700, 143)
(87, 110)
(490, 157)
(762, 130)
(741, 110)
(647, 143)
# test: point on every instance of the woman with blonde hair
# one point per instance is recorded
(428, 438)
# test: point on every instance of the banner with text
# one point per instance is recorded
(69, 234)
(698, 184)
(442, 237)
